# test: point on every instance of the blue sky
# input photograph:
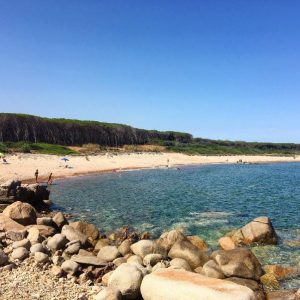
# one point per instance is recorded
(217, 69)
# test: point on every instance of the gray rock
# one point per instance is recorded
(44, 221)
(57, 260)
(186, 250)
(109, 293)
(16, 235)
(135, 259)
(89, 230)
(168, 239)
(152, 259)
(127, 278)
(56, 242)
(23, 243)
(73, 248)
(37, 248)
(211, 269)
(108, 253)
(20, 253)
(180, 263)
(238, 262)
(124, 248)
(70, 266)
(34, 236)
(59, 220)
(3, 258)
(8, 267)
(73, 234)
(118, 261)
(160, 265)
(101, 243)
(143, 247)
(41, 257)
(56, 271)
(89, 260)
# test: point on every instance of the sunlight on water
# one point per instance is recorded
(207, 201)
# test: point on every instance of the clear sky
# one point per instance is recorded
(217, 69)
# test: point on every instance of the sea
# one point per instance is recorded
(206, 200)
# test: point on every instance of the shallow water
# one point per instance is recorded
(206, 200)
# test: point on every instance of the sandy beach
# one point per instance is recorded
(23, 166)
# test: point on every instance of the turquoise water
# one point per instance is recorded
(206, 200)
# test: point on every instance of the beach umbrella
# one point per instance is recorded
(65, 159)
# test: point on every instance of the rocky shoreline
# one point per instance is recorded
(45, 256)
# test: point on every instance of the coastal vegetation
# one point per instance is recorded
(28, 133)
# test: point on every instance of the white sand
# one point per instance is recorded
(23, 166)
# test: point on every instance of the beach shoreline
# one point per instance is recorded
(22, 166)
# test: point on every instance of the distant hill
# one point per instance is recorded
(34, 131)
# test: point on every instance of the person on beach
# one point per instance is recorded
(36, 174)
(50, 181)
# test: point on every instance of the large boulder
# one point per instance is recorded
(90, 230)
(127, 278)
(170, 284)
(7, 224)
(73, 234)
(21, 212)
(186, 250)
(143, 247)
(259, 231)
(238, 262)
